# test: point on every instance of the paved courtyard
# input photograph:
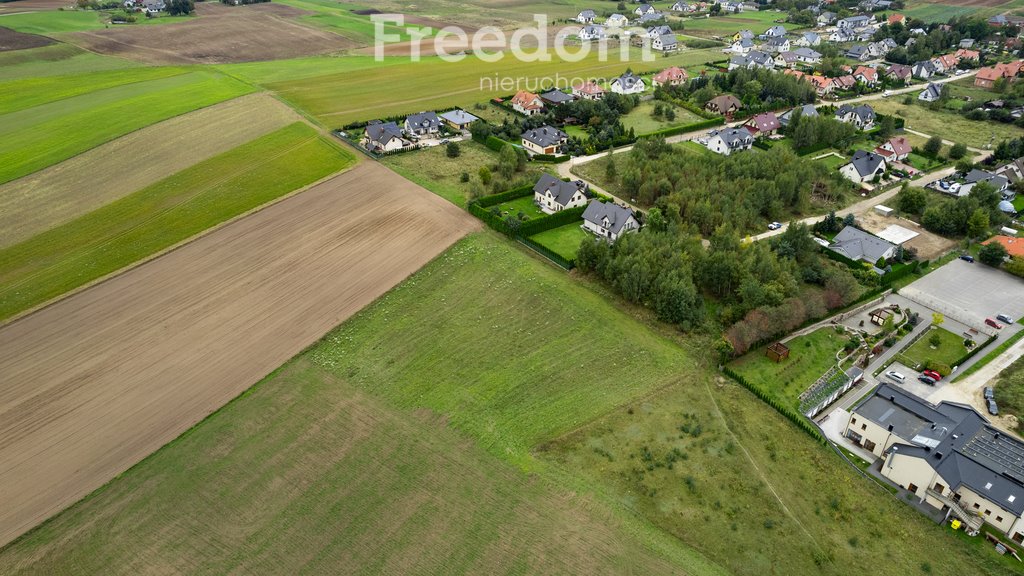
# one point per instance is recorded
(969, 293)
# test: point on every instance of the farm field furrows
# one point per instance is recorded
(336, 99)
(101, 379)
(86, 182)
(167, 212)
(43, 135)
(28, 92)
(56, 60)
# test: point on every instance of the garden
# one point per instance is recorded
(564, 240)
(936, 350)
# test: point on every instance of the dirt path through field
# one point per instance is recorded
(96, 382)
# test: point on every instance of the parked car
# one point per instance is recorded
(967, 258)
(993, 408)
(894, 375)
(775, 225)
(932, 374)
(927, 379)
(1004, 318)
(989, 393)
(887, 93)
(993, 324)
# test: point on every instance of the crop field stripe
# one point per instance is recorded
(143, 223)
(43, 135)
(25, 93)
(57, 60)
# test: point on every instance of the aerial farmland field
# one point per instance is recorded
(728, 25)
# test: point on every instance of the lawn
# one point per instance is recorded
(435, 171)
(564, 240)
(950, 349)
(52, 22)
(523, 205)
(28, 92)
(163, 214)
(49, 133)
(1009, 391)
(728, 25)
(832, 161)
(640, 120)
(56, 60)
(338, 98)
(810, 357)
(978, 134)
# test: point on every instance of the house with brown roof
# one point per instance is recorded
(894, 18)
(724, 104)
(866, 75)
(987, 76)
(588, 91)
(764, 124)
(844, 82)
(895, 148)
(901, 72)
(965, 54)
(822, 84)
(1014, 246)
(527, 103)
(673, 76)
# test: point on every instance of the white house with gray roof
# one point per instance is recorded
(729, 140)
(591, 32)
(863, 116)
(384, 137)
(554, 195)
(947, 455)
(609, 220)
(628, 83)
(544, 140)
(616, 21)
(857, 244)
(808, 39)
(422, 124)
(665, 42)
(586, 16)
(863, 167)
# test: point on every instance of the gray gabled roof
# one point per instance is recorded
(856, 51)
(423, 120)
(776, 41)
(734, 137)
(597, 212)
(556, 97)
(758, 57)
(383, 132)
(651, 16)
(545, 136)
(668, 39)
(807, 53)
(659, 30)
(857, 244)
(561, 190)
(997, 181)
(459, 116)
(628, 80)
(933, 90)
(776, 30)
(587, 14)
(805, 110)
(955, 440)
(864, 112)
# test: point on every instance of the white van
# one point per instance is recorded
(894, 375)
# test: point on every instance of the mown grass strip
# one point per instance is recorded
(28, 92)
(163, 214)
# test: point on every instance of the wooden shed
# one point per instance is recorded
(777, 352)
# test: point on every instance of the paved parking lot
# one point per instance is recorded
(969, 293)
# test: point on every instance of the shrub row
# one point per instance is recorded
(494, 199)
(688, 128)
(549, 254)
(552, 158)
(960, 361)
(398, 118)
(813, 148)
(538, 225)
(898, 272)
(795, 417)
(495, 222)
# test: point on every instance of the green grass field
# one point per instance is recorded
(950, 349)
(49, 22)
(358, 94)
(728, 25)
(338, 17)
(524, 205)
(43, 135)
(163, 214)
(56, 60)
(1009, 391)
(28, 92)
(810, 357)
(640, 120)
(833, 162)
(932, 12)
(564, 240)
(948, 125)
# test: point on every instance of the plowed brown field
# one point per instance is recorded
(94, 383)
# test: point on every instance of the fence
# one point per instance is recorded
(794, 416)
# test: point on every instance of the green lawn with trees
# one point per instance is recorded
(157, 217)
(937, 350)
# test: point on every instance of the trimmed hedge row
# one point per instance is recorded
(538, 225)
(494, 199)
(969, 355)
(552, 158)
(495, 143)
(832, 255)
(687, 128)
(795, 417)
(897, 274)
(496, 222)
(549, 254)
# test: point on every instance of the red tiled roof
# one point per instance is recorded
(1014, 246)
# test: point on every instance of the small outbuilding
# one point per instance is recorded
(777, 352)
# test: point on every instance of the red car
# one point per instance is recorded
(932, 374)
(993, 323)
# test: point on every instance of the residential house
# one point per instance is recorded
(1013, 172)
(975, 177)
(777, 31)
(822, 85)
(786, 60)
(616, 21)
(798, 74)
(859, 245)
(458, 119)
(628, 84)
(586, 16)
(760, 59)
(527, 103)
(384, 137)
(866, 75)
(895, 149)
(899, 72)
(947, 455)
(665, 43)
(967, 54)
(826, 18)
(683, 7)
(643, 9)
(807, 110)
(878, 49)
(729, 140)
(732, 7)
(724, 104)
(808, 39)
(743, 46)
(743, 35)
(740, 62)
(764, 124)
(840, 36)
(930, 94)
(967, 43)
(858, 52)
(854, 22)
(673, 76)
(945, 63)
(862, 116)
(422, 124)
(153, 6)
(655, 31)
(588, 91)
(544, 140)
(844, 82)
(555, 98)
(918, 31)
(591, 32)
(650, 17)
(874, 5)
(924, 69)
(863, 167)
(987, 77)
(776, 45)
(609, 220)
(896, 18)
(554, 195)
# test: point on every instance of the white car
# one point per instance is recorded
(775, 225)
(887, 93)
(894, 375)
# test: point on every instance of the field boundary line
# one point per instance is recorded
(26, 313)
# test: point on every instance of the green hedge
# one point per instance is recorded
(898, 272)
(398, 118)
(495, 143)
(969, 355)
(495, 199)
(552, 158)
(538, 225)
(795, 417)
(812, 148)
(832, 255)
(549, 254)
(496, 222)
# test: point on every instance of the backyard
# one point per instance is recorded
(641, 121)
(564, 240)
(524, 206)
(810, 357)
(923, 354)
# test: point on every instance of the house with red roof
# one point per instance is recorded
(527, 103)
(822, 84)
(965, 54)
(866, 74)
(764, 124)
(588, 91)
(896, 148)
(673, 76)
(894, 18)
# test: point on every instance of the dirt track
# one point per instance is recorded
(221, 34)
(94, 383)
